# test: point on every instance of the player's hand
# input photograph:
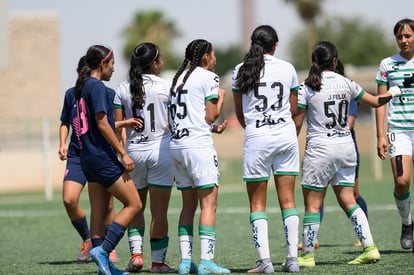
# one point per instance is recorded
(135, 123)
(63, 153)
(382, 148)
(219, 128)
(395, 91)
(128, 163)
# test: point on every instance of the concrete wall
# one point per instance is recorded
(29, 94)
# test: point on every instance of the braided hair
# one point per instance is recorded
(322, 59)
(262, 39)
(143, 56)
(94, 56)
(194, 53)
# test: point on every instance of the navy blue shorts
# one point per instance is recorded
(103, 171)
(74, 171)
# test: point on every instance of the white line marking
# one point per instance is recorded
(224, 210)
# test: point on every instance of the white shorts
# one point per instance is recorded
(329, 164)
(152, 168)
(195, 168)
(278, 153)
(400, 143)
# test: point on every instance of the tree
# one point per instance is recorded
(227, 59)
(151, 26)
(308, 11)
(358, 43)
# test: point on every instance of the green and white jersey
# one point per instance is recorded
(327, 109)
(398, 71)
(267, 107)
(154, 113)
(188, 109)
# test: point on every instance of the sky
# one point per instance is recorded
(83, 23)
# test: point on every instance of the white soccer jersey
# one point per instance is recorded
(327, 109)
(268, 107)
(398, 71)
(188, 109)
(156, 133)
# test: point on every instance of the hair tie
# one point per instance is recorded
(256, 42)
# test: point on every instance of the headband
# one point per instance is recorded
(155, 58)
(108, 55)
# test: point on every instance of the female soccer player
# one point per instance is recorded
(145, 97)
(196, 103)
(330, 156)
(398, 70)
(74, 179)
(264, 91)
(99, 160)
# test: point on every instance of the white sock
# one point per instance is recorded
(207, 245)
(158, 256)
(291, 228)
(186, 246)
(404, 209)
(135, 241)
(261, 238)
(310, 235)
(361, 227)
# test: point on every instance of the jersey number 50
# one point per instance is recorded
(342, 112)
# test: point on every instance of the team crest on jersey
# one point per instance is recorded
(384, 74)
(396, 67)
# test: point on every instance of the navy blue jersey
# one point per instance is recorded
(69, 116)
(95, 98)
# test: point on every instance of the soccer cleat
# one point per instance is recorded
(101, 259)
(406, 239)
(114, 270)
(262, 267)
(135, 263)
(291, 265)
(316, 245)
(113, 257)
(306, 260)
(186, 266)
(358, 243)
(369, 255)
(84, 253)
(161, 268)
(210, 267)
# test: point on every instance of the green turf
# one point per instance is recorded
(36, 236)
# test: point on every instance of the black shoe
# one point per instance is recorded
(406, 239)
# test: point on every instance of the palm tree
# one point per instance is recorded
(308, 11)
(151, 26)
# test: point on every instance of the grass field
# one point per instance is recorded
(36, 236)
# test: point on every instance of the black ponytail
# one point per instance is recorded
(323, 55)
(94, 56)
(262, 39)
(141, 60)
